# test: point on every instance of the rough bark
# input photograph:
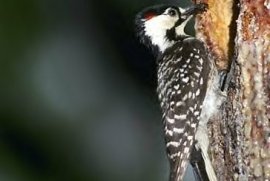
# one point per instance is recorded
(238, 35)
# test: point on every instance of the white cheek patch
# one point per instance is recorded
(156, 29)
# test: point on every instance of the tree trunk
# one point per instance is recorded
(237, 33)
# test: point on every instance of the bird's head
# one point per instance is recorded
(158, 27)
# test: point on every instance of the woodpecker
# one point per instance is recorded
(187, 82)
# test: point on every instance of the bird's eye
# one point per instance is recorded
(172, 12)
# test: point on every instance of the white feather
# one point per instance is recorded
(156, 29)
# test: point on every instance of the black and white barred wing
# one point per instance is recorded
(182, 91)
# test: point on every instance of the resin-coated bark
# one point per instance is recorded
(237, 34)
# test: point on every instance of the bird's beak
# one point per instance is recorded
(193, 10)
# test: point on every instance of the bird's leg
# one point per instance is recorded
(226, 76)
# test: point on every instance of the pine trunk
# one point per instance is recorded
(238, 35)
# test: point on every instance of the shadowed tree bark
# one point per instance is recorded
(237, 33)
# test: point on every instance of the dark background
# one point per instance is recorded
(77, 93)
